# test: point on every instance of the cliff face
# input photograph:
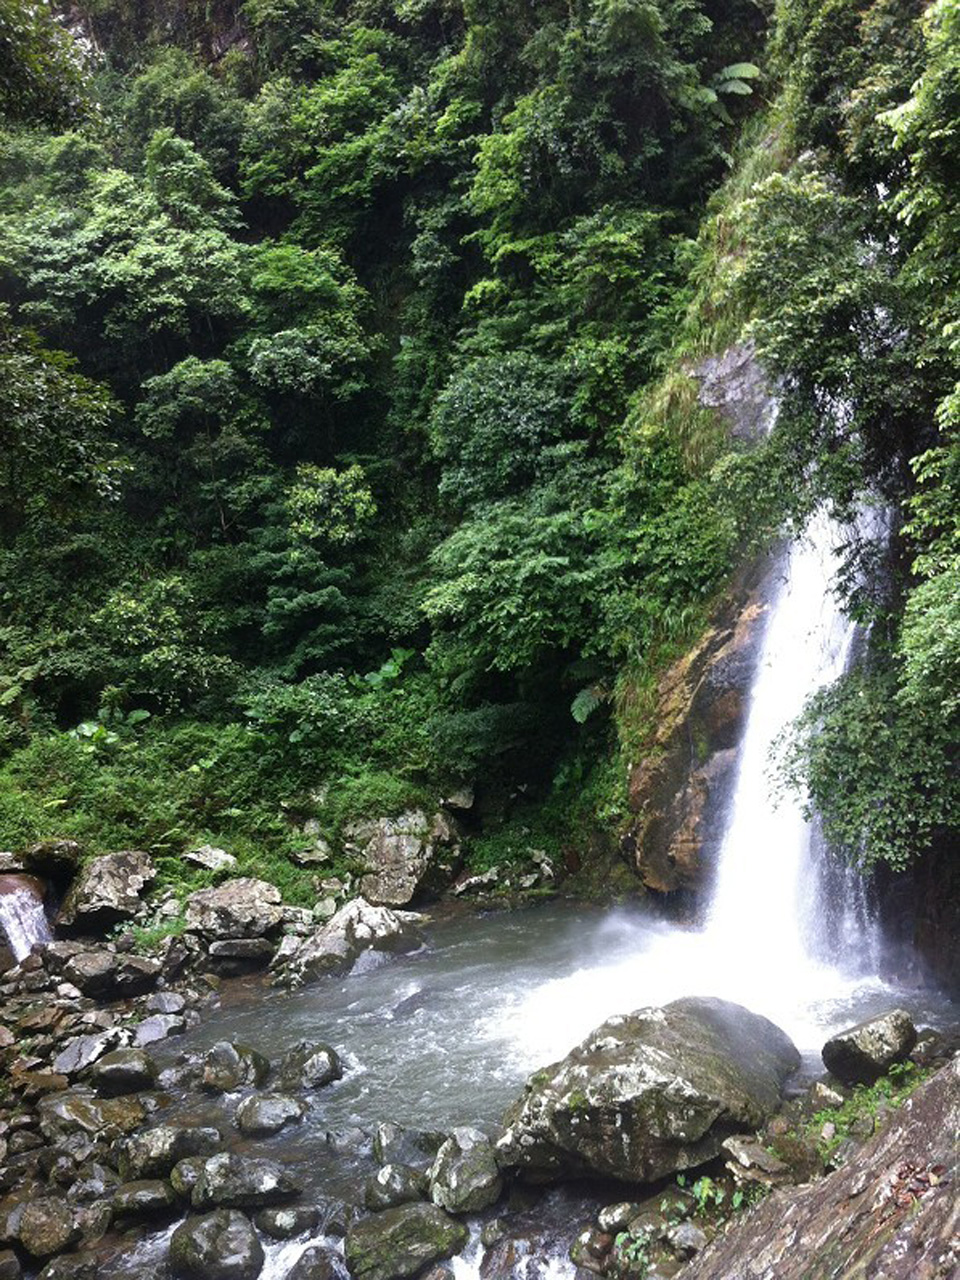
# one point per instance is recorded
(892, 1211)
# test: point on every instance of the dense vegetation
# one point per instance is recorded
(350, 447)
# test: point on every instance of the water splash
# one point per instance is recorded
(22, 917)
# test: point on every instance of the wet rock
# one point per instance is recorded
(234, 1066)
(9, 1265)
(150, 1198)
(749, 1161)
(166, 1002)
(242, 908)
(465, 1177)
(407, 857)
(124, 1071)
(686, 1239)
(315, 1263)
(357, 928)
(617, 1217)
(185, 1175)
(96, 1181)
(106, 975)
(216, 1246)
(590, 1250)
(392, 1185)
(400, 1242)
(154, 1152)
(309, 1065)
(288, 1222)
(237, 1182)
(53, 859)
(890, 1211)
(48, 1226)
(211, 858)
(79, 1111)
(263, 1114)
(395, 1144)
(83, 1051)
(234, 956)
(862, 1054)
(158, 1027)
(650, 1093)
(106, 892)
(72, 1266)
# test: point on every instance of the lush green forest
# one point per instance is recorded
(350, 447)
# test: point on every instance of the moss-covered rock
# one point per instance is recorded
(401, 1242)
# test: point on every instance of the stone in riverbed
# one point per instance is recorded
(9, 1265)
(230, 1066)
(263, 1114)
(392, 1185)
(105, 975)
(106, 892)
(315, 1263)
(150, 1198)
(309, 1066)
(356, 929)
(216, 1246)
(154, 1152)
(124, 1071)
(240, 1182)
(83, 1051)
(78, 1111)
(465, 1177)
(242, 908)
(288, 1222)
(862, 1054)
(48, 1226)
(650, 1093)
(158, 1027)
(400, 1242)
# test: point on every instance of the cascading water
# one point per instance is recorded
(23, 920)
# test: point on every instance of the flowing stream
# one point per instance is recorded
(448, 1035)
(23, 920)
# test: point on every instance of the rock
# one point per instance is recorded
(106, 975)
(234, 1066)
(394, 1144)
(233, 956)
(265, 1113)
(53, 859)
(79, 1111)
(236, 1182)
(185, 1175)
(479, 883)
(408, 857)
(336, 946)
(166, 1002)
(315, 1263)
(650, 1093)
(217, 1246)
(106, 891)
(48, 1226)
(617, 1217)
(9, 1266)
(288, 1222)
(686, 1239)
(309, 1065)
(861, 1054)
(211, 858)
(242, 908)
(154, 1152)
(124, 1071)
(83, 1051)
(392, 1185)
(749, 1161)
(157, 1027)
(465, 1177)
(889, 1212)
(400, 1242)
(72, 1266)
(150, 1198)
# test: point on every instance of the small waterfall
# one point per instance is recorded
(22, 917)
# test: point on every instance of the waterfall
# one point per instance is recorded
(22, 917)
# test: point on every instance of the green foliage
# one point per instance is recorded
(866, 1102)
(41, 66)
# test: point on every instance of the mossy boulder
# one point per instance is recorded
(216, 1246)
(400, 1242)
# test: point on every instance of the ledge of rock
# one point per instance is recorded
(106, 892)
(241, 908)
(890, 1212)
(356, 928)
(650, 1093)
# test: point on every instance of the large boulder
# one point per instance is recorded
(217, 1246)
(106, 891)
(229, 1066)
(465, 1177)
(106, 975)
(263, 1114)
(237, 1182)
(862, 1054)
(357, 928)
(48, 1226)
(309, 1066)
(392, 1185)
(890, 1211)
(241, 908)
(79, 1111)
(124, 1071)
(650, 1093)
(154, 1152)
(401, 1242)
(405, 858)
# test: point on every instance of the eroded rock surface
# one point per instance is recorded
(862, 1054)
(401, 1242)
(106, 891)
(408, 857)
(241, 908)
(650, 1093)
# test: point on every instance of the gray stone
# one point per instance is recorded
(242, 908)
(79, 1111)
(72, 1266)
(309, 1065)
(650, 1093)
(749, 1161)
(150, 1198)
(217, 1246)
(48, 1226)
(617, 1217)
(407, 857)
(83, 1051)
(158, 1027)
(252, 951)
(154, 1152)
(166, 1002)
(9, 1265)
(124, 1071)
(335, 947)
(185, 1175)
(265, 1113)
(686, 1239)
(465, 1177)
(288, 1222)
(400, 1242)
(861, 1054)
(735, 384)
(238, 1182)
(315, 1263)
(211, 858)
(230, 1066)
(106, 975)
(107, 891)
(394, 1184)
